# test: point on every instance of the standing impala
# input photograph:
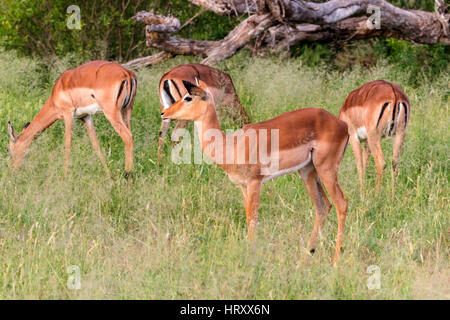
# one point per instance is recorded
(310, 141)
(377, 109)
(97, 86)
(171, 89)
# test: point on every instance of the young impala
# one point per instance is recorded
(97, 86)
(377, 109)
(310, 141)
(171, 89)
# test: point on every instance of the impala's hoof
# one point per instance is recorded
(128, 175)
(312, 251)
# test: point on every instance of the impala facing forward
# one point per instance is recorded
(97, 86)
(310, 141)
(377, 109)
(171, 89)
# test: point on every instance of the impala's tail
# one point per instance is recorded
(399, 112)
(127, 91)
(125, 96)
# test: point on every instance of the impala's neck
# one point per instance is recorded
(207, 127)
(45, 118)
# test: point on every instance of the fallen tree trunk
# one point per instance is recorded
(277, 24)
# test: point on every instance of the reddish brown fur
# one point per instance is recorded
(312, 140)
(221, 87)
(95, 82)
(363, 108)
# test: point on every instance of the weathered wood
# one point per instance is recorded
(277, 24)
(158, 23)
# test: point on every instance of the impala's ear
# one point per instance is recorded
(12, 134)
(194, 90)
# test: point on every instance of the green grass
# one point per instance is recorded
(179, 231)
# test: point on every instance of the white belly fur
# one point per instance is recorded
(289, 170)
(87, 110)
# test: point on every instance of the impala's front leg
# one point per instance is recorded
(356, 146)
(244, 190)
(165, 125)
(68, 120)
(365, 156)
(251, 210)
(181, 124)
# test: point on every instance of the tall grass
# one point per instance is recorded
(179, 231)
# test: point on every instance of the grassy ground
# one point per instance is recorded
(179, 231)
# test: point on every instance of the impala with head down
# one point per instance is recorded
(309, 141)
(171, 89)
(96, 86)
(377, 109)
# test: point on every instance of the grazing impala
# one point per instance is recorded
(310, 141)
(97, 86)
(171, 89)
(377, 109)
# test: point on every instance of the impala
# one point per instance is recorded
(171, 89)
(310, 141)
(377, 109)
(97, 86)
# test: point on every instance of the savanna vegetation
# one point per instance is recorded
(179, 231)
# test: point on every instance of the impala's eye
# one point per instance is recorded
(187, 99)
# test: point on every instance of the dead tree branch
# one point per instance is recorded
(277, 24)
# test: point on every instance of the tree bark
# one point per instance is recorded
(277, 24)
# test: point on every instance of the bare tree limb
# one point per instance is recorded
(277, 24)
(158, 23)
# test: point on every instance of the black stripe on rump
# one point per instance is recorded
(406, 113)
(120, 90)
(126, 100)
(167, 91)
(392, 126)
(129, 96)
(381, 113)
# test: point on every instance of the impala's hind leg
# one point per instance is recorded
(121, 128)
(398, 146)
(326, 162)
(399, 137)
(374, 142)
(126, 114)
(320, 200)
(95, 145)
